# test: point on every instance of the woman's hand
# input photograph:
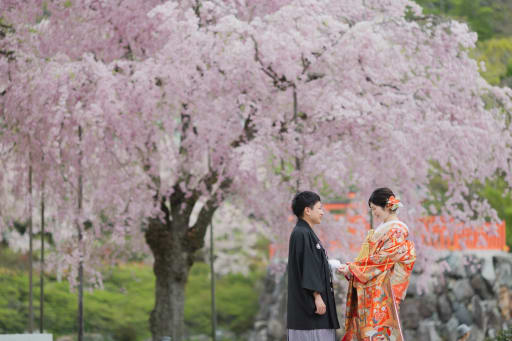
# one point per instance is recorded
(344, 269)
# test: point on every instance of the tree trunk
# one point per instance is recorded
(171, 268)
(174, 244)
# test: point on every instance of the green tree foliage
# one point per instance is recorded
(491, 21)
(478, 15)
(497, 55)
(487, 18)
(496, 192)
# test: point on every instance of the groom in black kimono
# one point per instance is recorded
(311, 308)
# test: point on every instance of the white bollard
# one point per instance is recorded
(26, 337)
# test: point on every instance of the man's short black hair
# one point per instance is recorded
(303, 200)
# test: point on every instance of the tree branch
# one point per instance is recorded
(194, 239)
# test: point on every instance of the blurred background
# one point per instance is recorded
(248, 285)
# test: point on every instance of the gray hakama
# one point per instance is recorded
(311, 335)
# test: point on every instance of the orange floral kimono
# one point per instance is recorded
(378, 283)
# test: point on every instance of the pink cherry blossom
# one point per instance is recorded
(192, 104)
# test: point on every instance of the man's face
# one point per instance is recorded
(315, 214)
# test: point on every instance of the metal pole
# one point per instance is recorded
(295, 116)
(41, 275)
(80, 246)
(212, 271)
(30, 250)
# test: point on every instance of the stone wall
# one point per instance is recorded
(476, 291)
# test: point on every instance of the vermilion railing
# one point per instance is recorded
(486, 237)
(435, 234)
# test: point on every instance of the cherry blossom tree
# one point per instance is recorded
(154, 112)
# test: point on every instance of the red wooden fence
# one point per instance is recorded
(435, 232)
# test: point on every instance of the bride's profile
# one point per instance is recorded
(379, 277)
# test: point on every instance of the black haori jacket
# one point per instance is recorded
(308, 271)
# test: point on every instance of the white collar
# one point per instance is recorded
(384, 225)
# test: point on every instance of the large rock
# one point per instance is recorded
(476, 335)
(462, 314)
(267, 298)
(481, 287)
(276, 330)
(444, 308)
(494, 320)
(410, 313)
(410, 334)
(462, 290)
(473, 264)
(477, 310)
(456, 263)
(503, 271)
(427, 331)
(448, 331)
(488, 271)
(480, 314)
(422, 283)
(258, 335)
(441, 285)
(427, 305)
(259, 325)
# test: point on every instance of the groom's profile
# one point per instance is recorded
(311, 308)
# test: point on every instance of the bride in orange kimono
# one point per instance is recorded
(379, 277)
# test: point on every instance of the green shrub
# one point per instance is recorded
(121, 310)
(503, 335)
(236, 301)
(13, 294)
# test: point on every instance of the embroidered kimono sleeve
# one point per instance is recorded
(394, 249)
(312, 278)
